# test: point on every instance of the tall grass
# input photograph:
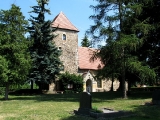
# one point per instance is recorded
(61, 106)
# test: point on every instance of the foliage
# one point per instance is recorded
(14, 56)
(26, 85)
(2, 91)
(149, 52)
(121, 25)
(71, 79)
(44, 53)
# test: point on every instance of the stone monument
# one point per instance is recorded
(85, 104)
(156, 97)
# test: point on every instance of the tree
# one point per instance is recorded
(149, 52)
(117, 22)
(85, 42)
(14, 55)
(110, 27)
(44, 53)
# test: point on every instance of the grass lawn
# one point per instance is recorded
(61, 106)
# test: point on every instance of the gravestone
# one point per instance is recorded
(156, 97)
(85, 104)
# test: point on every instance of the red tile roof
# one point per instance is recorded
(84, 58)
(61, 21)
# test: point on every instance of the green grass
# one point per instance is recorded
(61, 106)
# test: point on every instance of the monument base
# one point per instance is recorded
(107, 113)
(82, 111)
(156, 102)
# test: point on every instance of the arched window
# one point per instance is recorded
(59, 48)
(64, 37)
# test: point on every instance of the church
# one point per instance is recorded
(77, 59)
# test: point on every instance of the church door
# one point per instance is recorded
(89, 85)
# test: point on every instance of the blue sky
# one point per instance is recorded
(77, 11)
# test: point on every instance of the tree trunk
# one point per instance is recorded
(112, 82)
(31, 84)
(40, 87)
(6, 91)
(123, 77)
(124, 89)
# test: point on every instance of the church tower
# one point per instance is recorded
(67, 42)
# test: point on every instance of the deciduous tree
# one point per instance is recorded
(14, 55)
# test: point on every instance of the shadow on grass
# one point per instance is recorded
(78, 118)
(47, 97)
(97, 97)
(72, 97)
(140, 112)
(149, 111)
(140, 94)
(145, 112)
(75, 97)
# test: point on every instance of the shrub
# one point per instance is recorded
(71, 82)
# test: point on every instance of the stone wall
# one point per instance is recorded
(107, 83)
(69, 48)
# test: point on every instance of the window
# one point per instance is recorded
(59, 48)
(99, 83)
(70, 86)
(64, 37)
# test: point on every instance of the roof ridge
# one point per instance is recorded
(88, 48)
(61, 21)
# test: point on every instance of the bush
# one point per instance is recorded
(71, 82)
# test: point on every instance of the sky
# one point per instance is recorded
(77, 11)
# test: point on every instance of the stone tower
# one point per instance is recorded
(67, 42)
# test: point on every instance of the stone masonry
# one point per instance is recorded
(69, 56)
(69, 48)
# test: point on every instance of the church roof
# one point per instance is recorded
(84, 59)
(61, 21)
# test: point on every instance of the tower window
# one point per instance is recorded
(59, 48)
(64, 37)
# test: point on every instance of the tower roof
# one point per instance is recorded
(61, 21)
